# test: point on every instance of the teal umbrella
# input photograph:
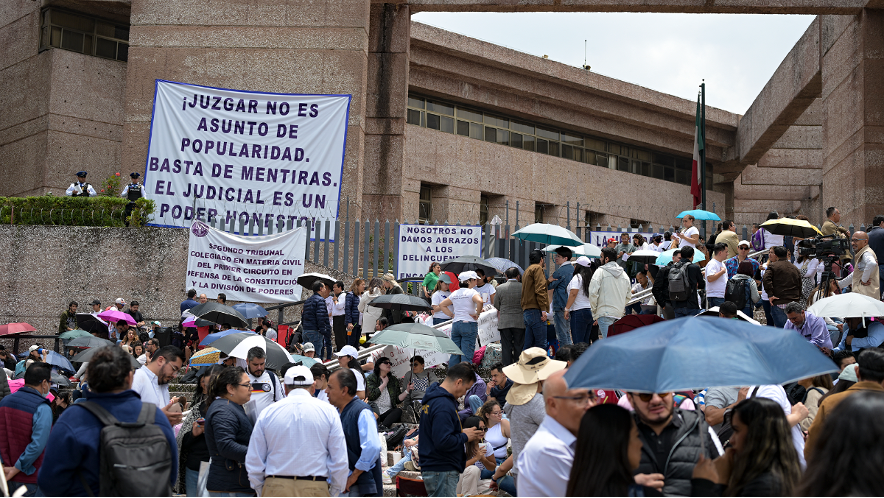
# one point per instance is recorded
(699, 214)
(416, 336)
(548, 234)
(305, 360)
(666, 257)
(73, 334)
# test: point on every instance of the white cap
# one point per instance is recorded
(308, 346)
(467, 275)
(33, 348)
(746, 242)
(298, 375)
(347, 351)
(583, 261)
(120, 300)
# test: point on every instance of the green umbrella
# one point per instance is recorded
(73, 334)
(416, 336)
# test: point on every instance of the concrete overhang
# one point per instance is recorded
(811, 7)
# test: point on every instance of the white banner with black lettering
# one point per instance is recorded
(419, 245)
(244, 156)
(600, 238)
(252, 269)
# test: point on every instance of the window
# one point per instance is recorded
(445, 109)
(416, 102)
(463, 128)
(476, 131)
(434, 121)
(516, 140)
(84, 34)
(633, 223)
(424, 205)
(542, 146)
(538, 212)
(414, 117)
(447, 124)
(469, 115)
(591, 219)
(483, 209)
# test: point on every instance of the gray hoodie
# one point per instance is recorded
(609, 291)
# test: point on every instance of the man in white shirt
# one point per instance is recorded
(545, 463)
(150, 349)
(339, 323)
(486, 290)
(266, 388)
(794, 414)
(690, 236)
(297, 447)
(151, 381)
(716, 276)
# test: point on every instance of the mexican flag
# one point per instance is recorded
(699, 144)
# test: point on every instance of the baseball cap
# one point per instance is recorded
(583, 261)
(33, 348)
(467, 275)
(95, 302)
(308, 346)
(443, 277)
(155, 322)
(347, 351)
(744, 242)
(120, 300)
(298, 375)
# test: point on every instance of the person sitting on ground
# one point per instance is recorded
(475, 397)
(761, 460)
(480, 457)
(408, 460)
(384, 394)
(497, 432)
(418, 380)
(499, 385)
(73, 452)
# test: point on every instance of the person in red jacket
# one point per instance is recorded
(25, 422)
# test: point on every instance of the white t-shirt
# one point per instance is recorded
(581, 301)
(360, 379)
(778, 394)
(463, 305)
(486, 292)
(771, 240)
(690, 232)
(264, 392)
(437, 299)
(715, 288)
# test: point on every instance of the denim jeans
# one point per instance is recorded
(581, 325)
(779, 316)
(604, 323)
(191, 478)
(315, 338)
(637, 308)
(475, 403)
(768, 317)
(535, 330)
(437, 321)
(327, 352)
(563, 329)
(440, 483)
(464, 336)
(714, 301)
(681, 312)
(400, 465)
(31, 489)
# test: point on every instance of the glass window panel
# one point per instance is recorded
(447, 124)
(121, 33)
(601, 159)
(567, 151)
(496, 121)
(661, 158)
(434, 121)
(490, 134)
(641, 155)
(87, 44)
(578, 154)
(597, 145)
(503, 137)
(623, 164)
(554, 148)
(523, 128)
(66, 20)
(105, 48)
(572, 140)
(425, 193)
(589, 156)
(476, 131)
(440, 108)
(542, 146)
(669, 174)
(552, 135)
(646, 169)
(415, 102)
(463, 128)
(683, 163)
(657, 171)
(683, 177)
(612, 162)
(72, 40)
(55, 37)
(529, 142)
(414, 117)
(470, 115)
(105, 29)
(516, 140)
(635, 167)
(613, 148)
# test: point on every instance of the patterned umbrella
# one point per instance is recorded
(205, 357)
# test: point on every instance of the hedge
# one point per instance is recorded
(73, 211)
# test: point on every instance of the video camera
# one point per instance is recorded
(828, 246)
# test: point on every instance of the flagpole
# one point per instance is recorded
(703, 150)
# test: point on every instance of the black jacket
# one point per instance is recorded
(393, 316)
(696, 281)
(678, 469)
(764, 485)
(228, 430)
(876, 242)
(660, 289)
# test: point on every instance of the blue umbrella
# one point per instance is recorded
(59, 361)
(699, 214)
(696, 353)
(217, 335)
(250, 310)
(503, 264)
(665, 257)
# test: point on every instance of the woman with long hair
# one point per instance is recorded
(762, 460)
(847, 459)
(370, 314)
(817, 387)
(479, 458)
(192, 447)
(497, 431)
(439, 294)
(578, 309)
(430, 279)
(130, 338)
(228, 430)
(608, 452)
(384, 394)
(466, 304)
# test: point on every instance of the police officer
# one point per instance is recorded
(133, 192)
(80, 188)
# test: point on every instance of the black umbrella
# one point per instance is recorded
(466, 263)
(91, 324)
(86, 355)
(403, 302)
(277, 356)
(89, 342)
(57, 378)
(306, 280)
(219, 313)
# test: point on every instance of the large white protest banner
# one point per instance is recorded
(600, 238)
(421, 244)
(260, 269)
(244, 156)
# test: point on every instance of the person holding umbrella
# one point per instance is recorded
(467, 305)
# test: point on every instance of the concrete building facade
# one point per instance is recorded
(443, 126)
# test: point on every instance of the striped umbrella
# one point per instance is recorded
(205, 357)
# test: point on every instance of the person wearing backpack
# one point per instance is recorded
(742, 289)
(684, 279)
(660, 289)
(86, 457)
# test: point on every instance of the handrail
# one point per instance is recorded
(364, 354)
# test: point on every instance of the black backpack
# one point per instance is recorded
(135, 458)
(679, 284)
(736, 292)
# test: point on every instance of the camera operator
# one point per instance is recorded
(831, 227)
(865, 278)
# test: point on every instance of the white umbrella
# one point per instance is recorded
(242, 349)
(849, 305)
(588, 250)
(548, 234)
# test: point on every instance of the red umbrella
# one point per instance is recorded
(632, 322)
(16, 328)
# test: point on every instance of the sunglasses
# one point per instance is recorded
(646, 397)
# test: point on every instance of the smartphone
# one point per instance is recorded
(201, 421)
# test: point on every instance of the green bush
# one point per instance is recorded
(74, 211)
